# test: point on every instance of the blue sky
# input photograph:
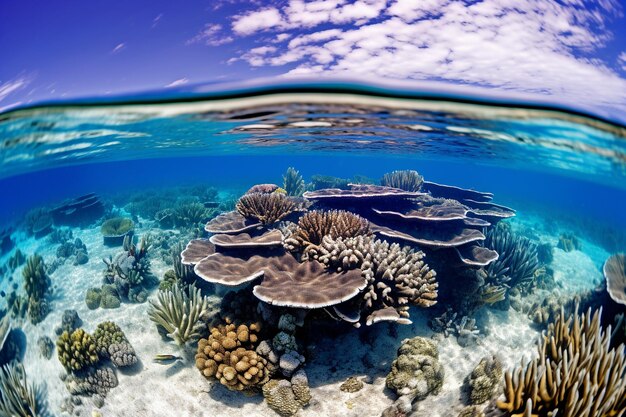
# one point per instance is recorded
(574, 50)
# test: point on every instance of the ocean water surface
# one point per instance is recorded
(314, 252)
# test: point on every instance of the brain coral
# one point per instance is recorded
(228, 355)
(111, 342)
(416, 372)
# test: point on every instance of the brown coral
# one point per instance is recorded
(576, 373)
(314, 225)
(267, 208)
(228, 355)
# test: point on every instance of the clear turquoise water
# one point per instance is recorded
(564, 172)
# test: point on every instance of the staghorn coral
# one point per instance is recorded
(18, 398)
(111, 342)
(228, 355)
(267, 208)
(180, 313)
(314, 225)
(416, 372)
(293, 183)
(576, 372)
(396, 276)
(484, 380)
(77, 350)
(407, 180)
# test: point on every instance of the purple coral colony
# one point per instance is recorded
(252, 282)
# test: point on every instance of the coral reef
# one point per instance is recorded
(228, 355)
(180, 314)
(94, 381)
(396, 276)
(405, 180)
(351, 384)
(314, 225)
(569, 242)
(18, 398)
(287, 397)
(69, 322)
(37, 287)
(293, 183)
(416, 373)
(77, 350)
(576, 373)
(267, 208)
(111, 342)
(484, 380)
(129, 271)
(115, 230)
(46, 346)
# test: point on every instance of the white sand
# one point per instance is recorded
(160, 390)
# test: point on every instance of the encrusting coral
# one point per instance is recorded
(576, 373)
(77, 351)
(315, 224)
(293, 183)
(180, 313)
(111, 342)
(267, 208)
(406, 180)
(18, 398)
(397, 276)
(228, 355)
(416, 372)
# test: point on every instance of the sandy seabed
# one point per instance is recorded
(152, 389)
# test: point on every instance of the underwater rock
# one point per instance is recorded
(615, 275)
(484, 380)
(69, 322)
(351, 385)
(289, 362)
(569, 242)
(46, 346)
(416, 373)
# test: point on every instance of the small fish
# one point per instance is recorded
(166, 358)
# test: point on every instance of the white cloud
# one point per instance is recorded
(211, 35)
(539, 46)
(157, 20)
(11, 86)
(176, 83)
(118, 48)
(621, 59)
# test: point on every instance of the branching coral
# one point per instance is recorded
(517, 259)
(407, 180)
(37, 286)
(293, 182)
(191, 214)
(267, 208)
(397, 276)
(576, 373)
(18, 398)
(77, 350)
(179, 313)
(314, 225)
(228, 355)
